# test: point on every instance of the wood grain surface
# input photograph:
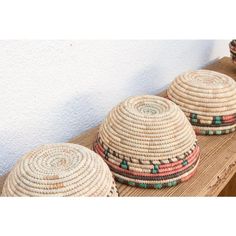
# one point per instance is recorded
(217, 161)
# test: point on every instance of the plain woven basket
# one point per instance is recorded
(148, 142)
(207, 98)
(60, 170)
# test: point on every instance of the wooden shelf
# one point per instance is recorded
(217, 161)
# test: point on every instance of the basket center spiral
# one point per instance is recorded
(51, 161)
(211, 79)
(59, 162)
(150, 108)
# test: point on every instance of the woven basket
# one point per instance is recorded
(60, 170)
(148, 142)
(232, 48)
(207, 98)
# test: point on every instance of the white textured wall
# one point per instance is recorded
(51, 91)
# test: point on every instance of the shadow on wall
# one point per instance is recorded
(145, 83)
(75, 116)
(5, 162)
(87, 110)
(169, 64)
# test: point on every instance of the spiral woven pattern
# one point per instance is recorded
(147, 142)
(60, 170)
(232, 48)
(208, 99)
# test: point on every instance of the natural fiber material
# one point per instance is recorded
(208, 99)
(60, 170)
(232, 47)
(146, 166)
(155, 184)
(212, 131)
(148, 141)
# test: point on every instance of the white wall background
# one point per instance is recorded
(50, 91)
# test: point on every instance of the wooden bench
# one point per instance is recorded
(216, 172)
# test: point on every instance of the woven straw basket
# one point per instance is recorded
(148, 142)
(232, 48)
(208, 99)
(60, 170)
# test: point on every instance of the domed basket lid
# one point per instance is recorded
(147, 128)
(204, 92)
(60, 170)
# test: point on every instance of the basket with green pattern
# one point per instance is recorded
(208, 99)
(148, 142)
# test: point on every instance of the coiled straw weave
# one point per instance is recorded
(148, 142)
(60, 170)
(208, 99)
